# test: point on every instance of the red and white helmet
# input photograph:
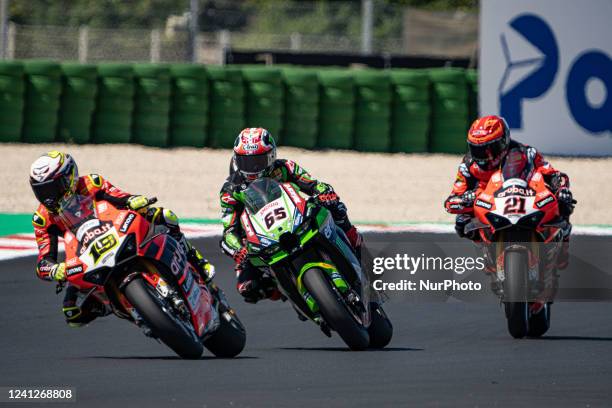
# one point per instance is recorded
(53, 176)
(254, 152)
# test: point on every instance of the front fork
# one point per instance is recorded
(350, 296)
(541, 271)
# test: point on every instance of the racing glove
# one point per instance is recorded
(240, 256)
(58, 272)
(326, 194)
(566, 201)
(468, 198)
(137, 202)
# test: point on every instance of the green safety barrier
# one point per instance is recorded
(112, 122)
(42, 101)
(411, 115)
(151, 104)
(394, 110)
(372, 110)
(227, 105)
(450, 110)
(78, 102)
(301, 107)
(336, 109)
(264, 98)
(12, 88)
(189, 106)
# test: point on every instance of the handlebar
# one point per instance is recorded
(152, 200)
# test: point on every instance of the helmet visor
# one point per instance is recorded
(251, 164)
(50, 192)
(489, 152)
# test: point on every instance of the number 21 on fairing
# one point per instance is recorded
(514, 205)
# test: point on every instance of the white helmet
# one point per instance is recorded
(53, 176)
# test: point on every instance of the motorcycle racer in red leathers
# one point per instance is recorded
(54, 178)
(489, 143)
(255, 157)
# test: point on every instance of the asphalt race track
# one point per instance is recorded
(443, 354)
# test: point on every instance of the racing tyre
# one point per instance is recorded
(515, 287)
(539, 323)
(229, 339)
(334, 310)
(381, 329)
(168, 328)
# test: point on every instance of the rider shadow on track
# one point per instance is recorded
(164, 358)
(336, 349)
(574, 338)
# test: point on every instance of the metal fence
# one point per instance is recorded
(328, 27)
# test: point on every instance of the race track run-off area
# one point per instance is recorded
(443, 354)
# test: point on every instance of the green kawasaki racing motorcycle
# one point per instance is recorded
(295, 240)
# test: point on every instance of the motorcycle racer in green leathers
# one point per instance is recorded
(255, 157)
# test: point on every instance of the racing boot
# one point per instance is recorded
(201, 264)
(563, 257)
(354, 238)
(254, 287)
(78, 316)
(339, 212)
(205, 269)
(490, 269)
(299, 315)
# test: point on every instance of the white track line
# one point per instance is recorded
(20, 245)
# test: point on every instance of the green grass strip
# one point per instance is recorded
(21, 223)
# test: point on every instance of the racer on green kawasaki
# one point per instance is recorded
(296, 241)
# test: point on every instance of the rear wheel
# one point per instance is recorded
(334, 310)
(381, 329)
(539, 323)
(169, 328)
(515, 287)
(229, 339)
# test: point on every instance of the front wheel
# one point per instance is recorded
(229, 338)
(334, 310)
(539, 323)
(161, 320)
(381, 329)
(515, 293)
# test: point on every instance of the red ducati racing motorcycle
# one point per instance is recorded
(517, 218)
(141, 274)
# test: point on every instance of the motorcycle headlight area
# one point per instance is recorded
(531, 220)
(127, 249)
(497, 221)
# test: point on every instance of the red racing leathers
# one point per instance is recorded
(48, 227)
(471, 179)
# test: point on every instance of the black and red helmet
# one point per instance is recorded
(488, 141)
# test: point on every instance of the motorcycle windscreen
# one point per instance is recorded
(517, 165)
(261, 192)
(76, 210)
